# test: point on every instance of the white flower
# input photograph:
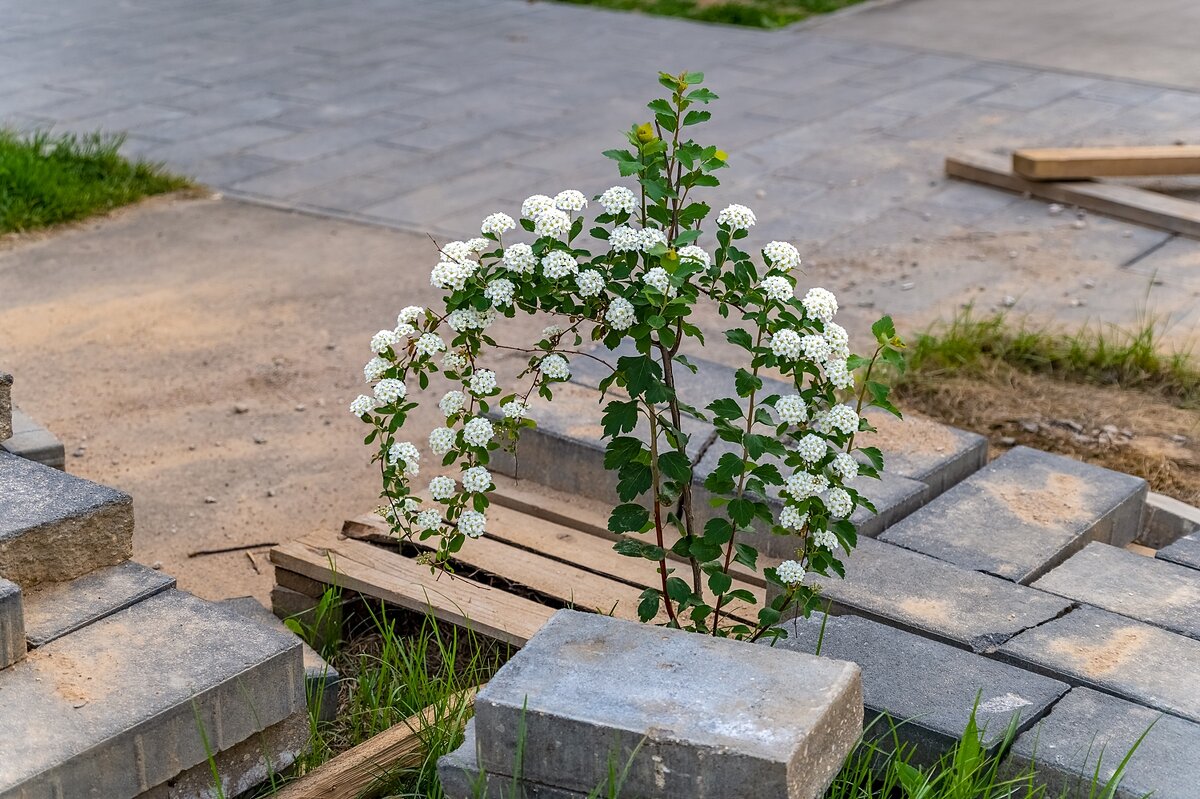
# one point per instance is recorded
(844, 466)
(404, 451)
(535, 205)
(442, 487)
(454, 362)
(441, 440)
(462, 319)
(792, 519)
(478, 432)
(429, 519)
(820, 304)
(736, 217)
(812, 448)
(816, 348)
(839, 503)
(619, 200)
(694, 253)
(777, 288)
(790, 408)
(500, 292)
(619, 314)
(782, 255)
(452, 402)
(843, 418)
(552, 222)
(409, 314)
(838, 338)
(820, 423)
(558, 264)
(825, 539)
(450, 275)
(790, 573)
(802, 485)
(514, 409)
(389, 390)
(570, 200)
(478, 244)
(519, 258)
(550, 331)
(786, 344)
(555, 367)
(430, 344)
(589, 283)
(476, 480)
(624, 239)
(404, 330)
(483, 382)
(651, 237)
(497, 223)
(459, 251)
(375, 369)
(658, 279)
(382, 341)
(472, 523)
(362, 404)
(837, 373)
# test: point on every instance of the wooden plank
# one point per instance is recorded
(356, 772)
(1076, 163)
(1122, 202)
(369, 570)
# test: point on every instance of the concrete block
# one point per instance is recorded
(34, 442)
(915, 592)
(1166, 520)
(6, 381)
(56, 527)
(322, 681)
(1110, 653)
(1117, 580)
(12, 624)
(687, 715)
(1185, 552)
(116, 708)
(243, 767)
(56, 609)
(1089, 730)
(461, 777)
(894, 497)
(566, 452)
(1023, 514)
(927, 688)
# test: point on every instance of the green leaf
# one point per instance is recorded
(621, 450)
(718, 531)
(745, 382)
(641, 372)
(692, 78)
(726, 408)
(675, 465)
(719, 582)
(884, 330)
(620, 416)
(745, 555)
(651, 598)
(631, 547)
(628, 518)
(678, 590)
(741, 510)
(740, 337)
(696, 117)
(874, 455)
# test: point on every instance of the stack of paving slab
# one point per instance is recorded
(113, 683)
(1008, 580)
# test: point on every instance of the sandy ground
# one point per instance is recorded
(138, 338)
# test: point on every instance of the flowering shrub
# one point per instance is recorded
(654, 273)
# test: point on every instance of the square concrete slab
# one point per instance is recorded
(12, 624)
(56, 527)
(1146, 589)
(55, 609)
(922, 594)
(34, 442)
(1089, 731)
(688, 715)
(1023, 514)
(927, 688)
(1110, 653)
(1184, 552)
(116, 708)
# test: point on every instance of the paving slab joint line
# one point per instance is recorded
(990, 652)
(1153, 248)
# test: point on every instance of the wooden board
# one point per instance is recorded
(1122, 202)
(1076, 163)
(373, 571)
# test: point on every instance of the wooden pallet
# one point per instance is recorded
(542, 551)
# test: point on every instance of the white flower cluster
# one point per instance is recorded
(777, 288)
(478, 432)
(375, 369)
(500, 291)
(452, 402)
(802, 485)
(555, 367)
(619, 200)
(362, 404)
(390, 390)
(589, 283)
(553, 223)
(782, 255)
(626, 239)
(570, 200)
(468, 319)
(430, 344)
(441, 440)
(620, 315)
(792, 519)
(519, 258)
(405, 452)
(452, 274)
(476, 480)
(472, 523)
(483, 383)
(786, 345)
(497, 224)
(790, 573)
(736, 217)
(658, 279)
(694, 253)
(820, 304)
(558, 264)
(514, 409)
(791, 409)
(442, 487)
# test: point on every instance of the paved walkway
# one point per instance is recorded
(426, 116)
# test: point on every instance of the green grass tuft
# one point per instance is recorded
(1134, 357)
(750, 13)
(48, 180)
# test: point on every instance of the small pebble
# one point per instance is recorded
(210, 500)
(1089, 284)
(760, 193)
(1128, 234)
(79, 453)
(156, 565)
(270, 492)
(1055, 209)
(1076, 302)
(259, 440)
(241, 407)
(331, 346)
(1013, 254)
(1007, 441)
(1079, 224)
(907, 286)
(1178, 439)
(1030, 427)
(1009, 301)
(301, 408)
(191, 447)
